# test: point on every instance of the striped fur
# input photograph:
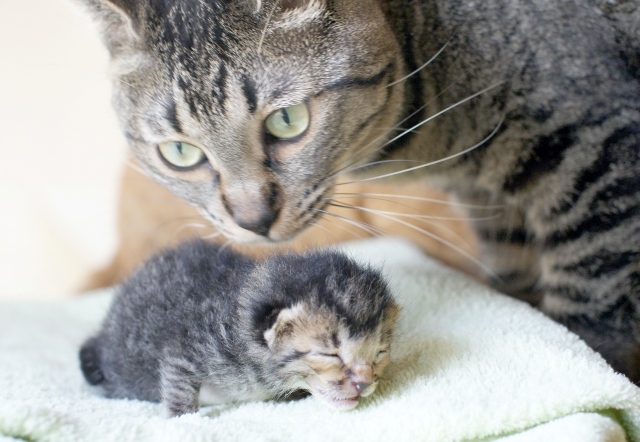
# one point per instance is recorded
(564, 161)
(200, 323)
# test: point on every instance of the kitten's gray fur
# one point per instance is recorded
(565, 160)
(199, 317)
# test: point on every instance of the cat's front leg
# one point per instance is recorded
(591, 291)
(589, 242)
(180, 384)
(511, 252)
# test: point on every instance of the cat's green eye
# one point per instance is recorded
(181, 155)
(288, 122)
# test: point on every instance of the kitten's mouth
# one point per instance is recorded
(333, 396)
(342, 404)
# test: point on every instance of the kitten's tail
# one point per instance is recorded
(90, 362)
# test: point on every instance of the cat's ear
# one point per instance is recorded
(284, 5)
(299, 12)
(117, 20)
(294, 4)
(282, 327)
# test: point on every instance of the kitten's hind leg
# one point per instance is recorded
(90, 362)
(180, 384)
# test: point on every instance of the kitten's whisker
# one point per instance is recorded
(417, 198)
(433, 163)
(467, 255)
(425, 64)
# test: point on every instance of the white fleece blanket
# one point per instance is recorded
(468, 364)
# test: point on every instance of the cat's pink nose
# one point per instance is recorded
(253, 207)
(259, 220)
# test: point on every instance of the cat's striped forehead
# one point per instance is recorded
(214, 50)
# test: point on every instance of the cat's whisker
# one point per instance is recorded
(380, 137)
(425, 64)
(326, 230)
(224, 246)
(158, 200)
(212, 236)
(427, 216)
(426, 120)
(417, 198)
(131, 65)
(443, 241)
(359, 224)
(362, 166)
(192, 226)
(433, 163)
(122, 81)
(397, 129)
(334, 224)
(266, 26)
(135, 167)
(181, 218)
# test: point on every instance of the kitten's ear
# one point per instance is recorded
(117, 20)
(282, 327)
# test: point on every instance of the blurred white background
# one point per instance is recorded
(62, 152)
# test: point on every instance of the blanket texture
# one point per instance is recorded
(468, 364)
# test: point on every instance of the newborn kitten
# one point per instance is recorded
(201, 324)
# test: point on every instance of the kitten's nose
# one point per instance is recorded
(361, 377)
(360, 386)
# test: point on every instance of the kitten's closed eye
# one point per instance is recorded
(329, 355)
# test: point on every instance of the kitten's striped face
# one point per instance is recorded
(248, 114)
(321, 354)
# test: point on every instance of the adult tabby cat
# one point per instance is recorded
(250, 109)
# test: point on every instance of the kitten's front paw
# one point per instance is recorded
(178, 409)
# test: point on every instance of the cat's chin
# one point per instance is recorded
(256, 240)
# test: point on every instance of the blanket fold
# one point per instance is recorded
(467, 364)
